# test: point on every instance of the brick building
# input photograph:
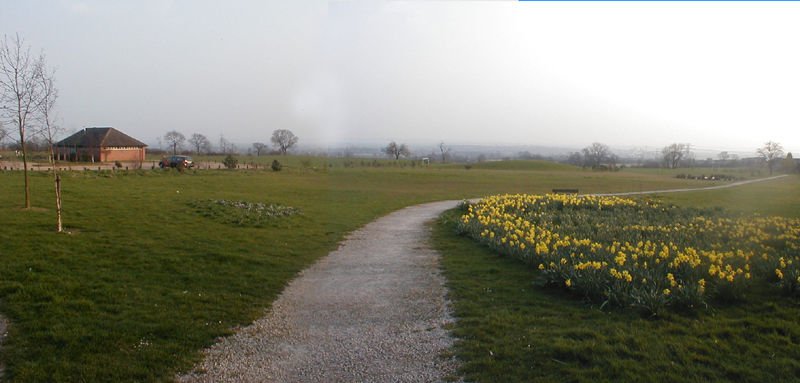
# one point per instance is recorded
(100, 145)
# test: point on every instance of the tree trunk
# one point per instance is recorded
(59, 227)
(57, 180)
(25, 172)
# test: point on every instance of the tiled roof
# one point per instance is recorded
(100, 137)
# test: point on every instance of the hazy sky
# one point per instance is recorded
(722, 76)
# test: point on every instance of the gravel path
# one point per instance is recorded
(372, 311)
(725, 186)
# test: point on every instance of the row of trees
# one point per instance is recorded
(282, 140)
(771, 153)
(599, 156)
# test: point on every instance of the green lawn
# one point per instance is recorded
(511, 329)
(144, 282)
(778, 197)
(531, 165)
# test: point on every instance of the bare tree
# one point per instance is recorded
(175, 139)
(444, 150)
(639, 154)
(49, 131)
(674, 153)
(200, 143)
(612, 161)
(596, 154)
(223, 144)
(20, 93)
(576, 158)
(788, 163)
(396, 151)
(259, 147)
(771, 152)
(3, 133)
(283, 140)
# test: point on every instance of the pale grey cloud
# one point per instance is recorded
(628, 74)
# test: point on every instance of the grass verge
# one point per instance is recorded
(510, 329)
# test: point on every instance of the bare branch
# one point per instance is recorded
(175, 139)
(771, 152)
(200, 143)
(396, 151)
(283, 140)
(21, 93)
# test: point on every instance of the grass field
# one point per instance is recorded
(512, 329)
(145, 282)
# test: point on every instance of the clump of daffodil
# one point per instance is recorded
(631, 252)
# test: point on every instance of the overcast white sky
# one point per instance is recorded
(721, 76)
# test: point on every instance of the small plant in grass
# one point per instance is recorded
(230, 162)
(243, 213)
(788, 273)
(276, 166)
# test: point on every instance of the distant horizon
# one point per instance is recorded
(542, 148)
(652, 152)
(243, 145)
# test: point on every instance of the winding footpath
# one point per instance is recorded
(372, 311)
(724, 186)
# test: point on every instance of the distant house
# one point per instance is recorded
(100, 145)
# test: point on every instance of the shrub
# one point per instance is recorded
(230, 162)
(276, 166)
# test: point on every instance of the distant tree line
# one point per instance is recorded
(282, 140)
(599, 157)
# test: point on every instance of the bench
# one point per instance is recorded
(565, 191)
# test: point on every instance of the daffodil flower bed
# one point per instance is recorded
(628, 252)
(242, 213)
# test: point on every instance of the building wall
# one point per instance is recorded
(77, 154)
(122, 155)
(100, 155)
